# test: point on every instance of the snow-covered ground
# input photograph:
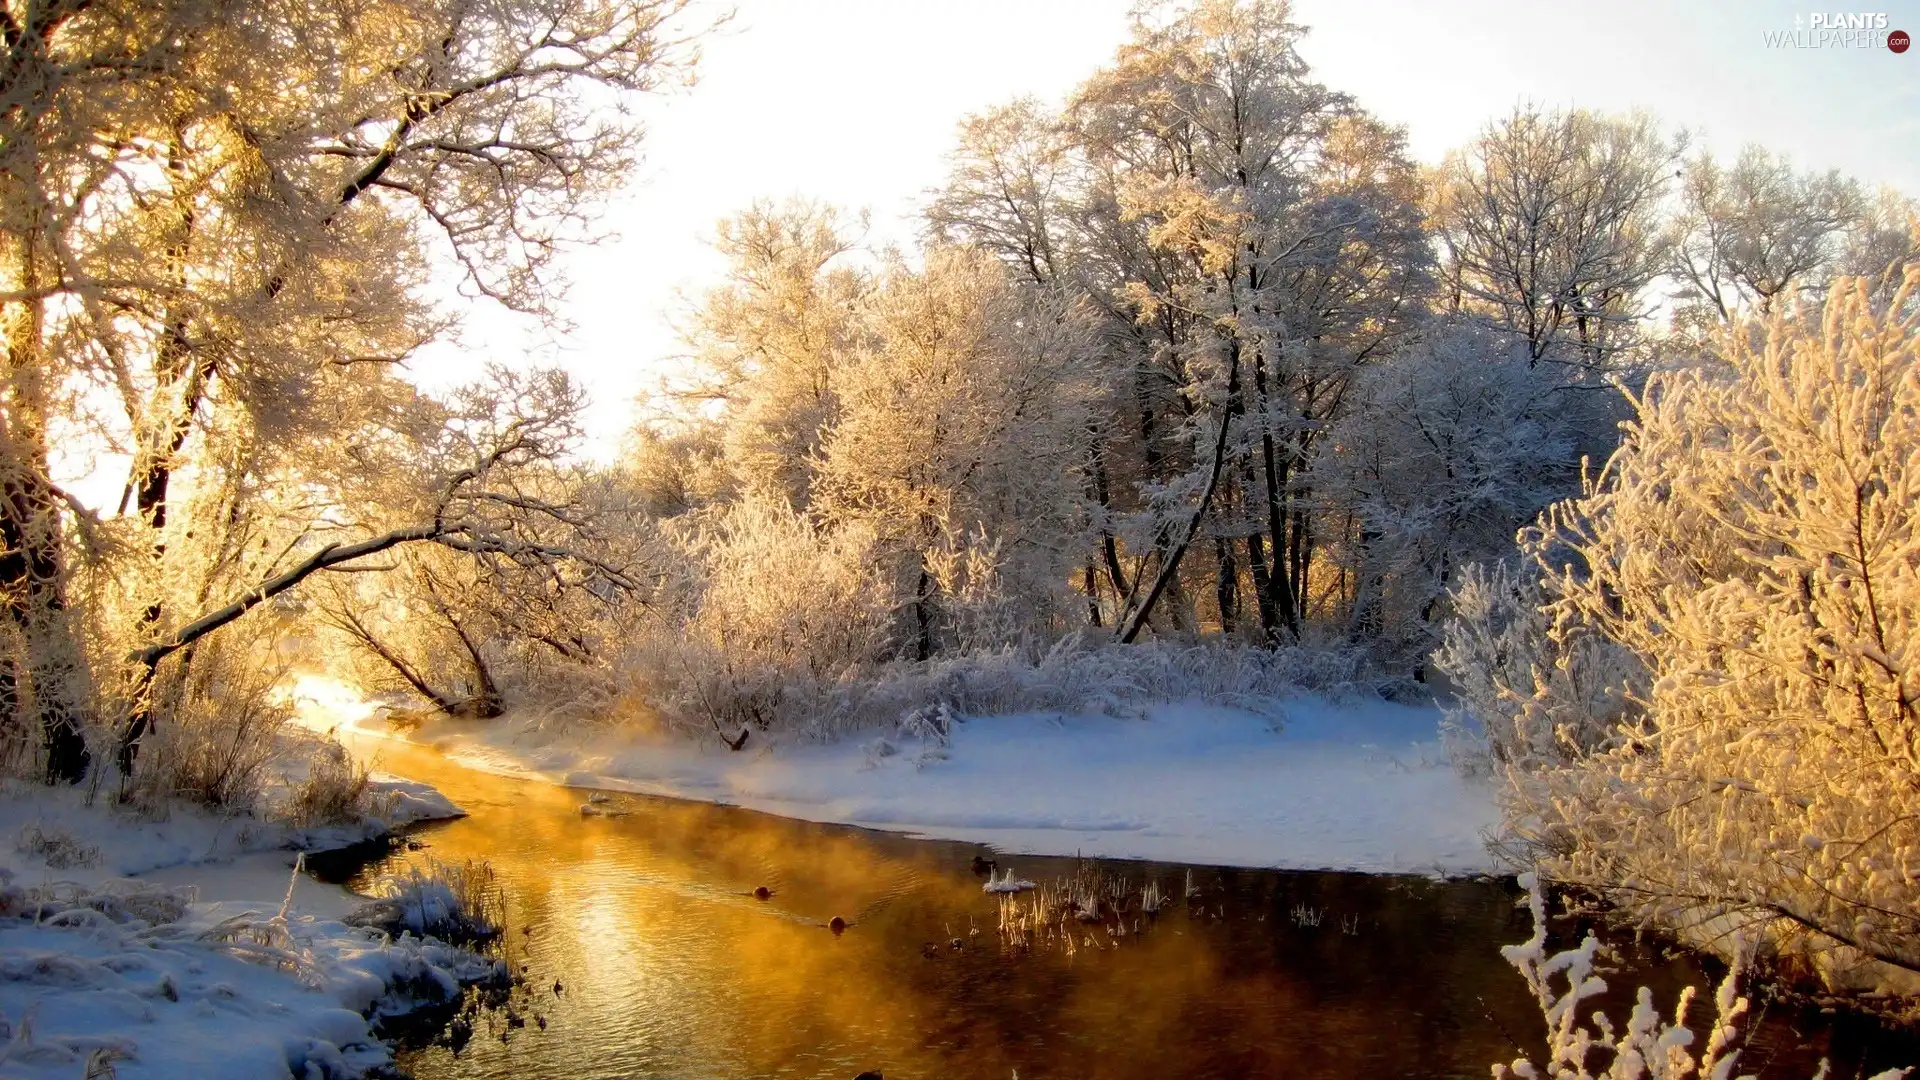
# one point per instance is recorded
(203, 966)
(1356, 785)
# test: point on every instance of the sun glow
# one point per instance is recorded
(325, 704)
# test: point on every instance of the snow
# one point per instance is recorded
(1350, 785)
(1005, 883)
(173, 1000)
(202, 975)
(100, 840)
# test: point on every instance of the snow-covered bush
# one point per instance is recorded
(56, 847)
(1756, 545)
(214, 736)
(334, 791)
(1526, 695)
(1078, 675)
(773, 613)
(120, 902)
(1650, 1046)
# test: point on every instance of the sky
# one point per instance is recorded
(856, 102)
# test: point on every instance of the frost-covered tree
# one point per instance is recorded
(1011, 174)
(1885, 239)
(475, 494)
(219, 213)
(1755, 547)
(769, 344)
(526, 570)
(1751, 233)
(1549, 224)
(1449, 446)
(1251, 238)
(962, 444)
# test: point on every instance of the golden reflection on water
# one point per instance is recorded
(670, 967)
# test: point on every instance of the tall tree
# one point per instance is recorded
(225, 209)
(1748, 235)
(770, 343)
(1549, 224)
(962, 445)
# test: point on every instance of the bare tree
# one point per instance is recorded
(1549, 227)
(488, 492)
(1748, 235)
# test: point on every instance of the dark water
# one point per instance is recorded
(671, 968)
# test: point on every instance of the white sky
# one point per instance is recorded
(855, 102)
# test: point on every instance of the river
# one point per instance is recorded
(645, 953)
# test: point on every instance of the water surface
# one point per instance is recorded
(668, 966)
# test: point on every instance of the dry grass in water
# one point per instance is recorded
(1067, 911)
(455, 902)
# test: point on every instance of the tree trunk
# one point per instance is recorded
(1109, 548)
(1368, 618)
(33, 580)
(32, 563)
(1226, 585)
(1170, 565)
(1090, 584)
(1300, 561)
(923, 613)
(488, 702)
(359, 631)
(1280, 599)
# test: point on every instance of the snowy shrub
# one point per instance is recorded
(59, 849)
(334, 791)
(1081, 676)
(214, 736)
(1650, 1046)
(921, 700)
(780, 612)
(1756, 545)
(1525, 694)
(120, 903)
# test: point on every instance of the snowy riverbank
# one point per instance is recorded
(203, 966)
(1354, 785)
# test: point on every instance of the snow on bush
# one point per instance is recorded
(768, 621)
(335, 791)
(215, 741)
(783, 608)
(1075, 676)
(56, 847)
(1755, 545)
(1650, 1046)
(1526, 695)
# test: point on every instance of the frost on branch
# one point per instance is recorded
(1650, 1046)
(1755, 545)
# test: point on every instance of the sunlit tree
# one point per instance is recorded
(1754, 548)
(219, 215)
(1549, 224)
